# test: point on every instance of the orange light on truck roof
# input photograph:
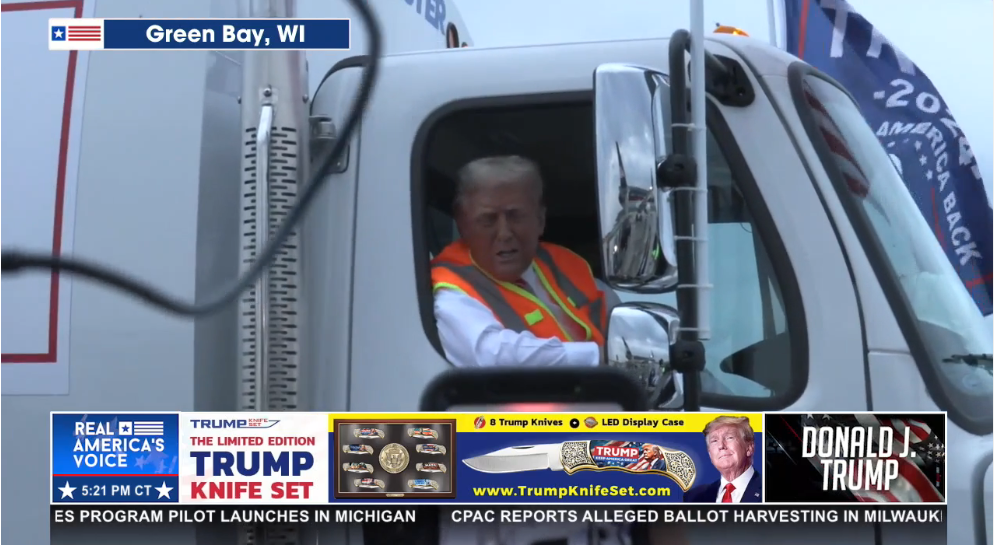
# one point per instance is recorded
(722, 29)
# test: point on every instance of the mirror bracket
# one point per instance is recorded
(687, 358)
(725, 78)
(731, 86)
(677, 170)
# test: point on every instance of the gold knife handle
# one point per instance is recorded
(681, 468)
(575, 455)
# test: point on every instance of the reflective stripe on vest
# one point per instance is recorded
(573, 293)
(506, 314)
(491, 295)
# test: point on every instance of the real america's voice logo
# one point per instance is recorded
(115, 457)
(107, 444)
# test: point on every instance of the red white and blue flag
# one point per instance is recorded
(75, 34)
(914, 124)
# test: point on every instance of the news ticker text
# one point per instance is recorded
(522, 514)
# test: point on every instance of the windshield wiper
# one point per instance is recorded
(982, 361)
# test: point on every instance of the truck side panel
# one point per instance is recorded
(144, 156)
(410, 25)
(40, 182)
(329, 248)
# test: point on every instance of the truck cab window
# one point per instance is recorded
(749, 353)
(947, 334)
(554, 132)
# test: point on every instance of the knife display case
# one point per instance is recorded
(409, 459)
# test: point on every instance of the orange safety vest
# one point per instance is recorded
(565, 275)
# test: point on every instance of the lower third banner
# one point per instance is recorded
(519, 514)
(199, 34)
(319, 458)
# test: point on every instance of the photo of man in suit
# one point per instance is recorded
(731, 444)
(652, 458)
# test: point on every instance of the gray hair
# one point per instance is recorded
(740, 423)
(502, 169)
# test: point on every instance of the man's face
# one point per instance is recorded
(648, 452)
(727, 449)
(502, 223)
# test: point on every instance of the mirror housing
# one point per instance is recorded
(506, 385)
(640, 338)
(632, 108)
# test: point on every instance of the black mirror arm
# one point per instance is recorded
(680, 171)
(726, 79)
(687, 352)
(687, 358)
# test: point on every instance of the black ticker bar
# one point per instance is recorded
(504, 514)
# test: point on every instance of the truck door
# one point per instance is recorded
(787, 331)
(928, 345)
(786, 327)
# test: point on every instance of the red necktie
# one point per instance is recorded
(727, 496)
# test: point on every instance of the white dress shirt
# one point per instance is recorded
(740, 483)
(473, 337)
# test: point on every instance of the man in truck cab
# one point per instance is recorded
(503, 297)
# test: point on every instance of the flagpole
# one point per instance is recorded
(783, 24)
(698, 104)
(771, 18)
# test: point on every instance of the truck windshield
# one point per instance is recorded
(940, 317)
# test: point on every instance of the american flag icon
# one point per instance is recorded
(76, 33)
(148, 428)
(70, 34)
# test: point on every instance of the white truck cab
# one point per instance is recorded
(829, 292)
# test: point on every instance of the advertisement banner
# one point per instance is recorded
(445, 458)
(856, 457)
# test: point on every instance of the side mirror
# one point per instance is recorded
(632, 108)
(639, 339)
(577, 388)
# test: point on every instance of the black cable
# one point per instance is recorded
(16, 262)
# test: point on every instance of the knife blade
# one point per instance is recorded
(517, 459)
(596, 455)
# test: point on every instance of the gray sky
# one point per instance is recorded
(951, 40)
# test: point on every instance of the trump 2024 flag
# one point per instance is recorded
(914, 124)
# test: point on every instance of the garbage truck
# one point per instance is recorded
(174, 119)
(802, 269)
